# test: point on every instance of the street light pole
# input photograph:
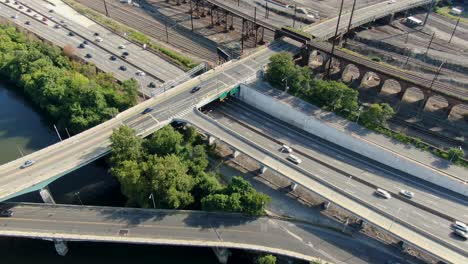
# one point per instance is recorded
(79, 198)
(436, 75)
(350, 21)
(453, 32)
(105, 7)
(152, 197)
(359, 114)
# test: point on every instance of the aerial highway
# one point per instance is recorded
(101, 52)
(326, 29)
(361, 203)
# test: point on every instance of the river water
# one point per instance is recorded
(22, 131)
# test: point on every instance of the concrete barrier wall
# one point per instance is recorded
(325, 125)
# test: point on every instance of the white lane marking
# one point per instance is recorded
(418, 213)
(383, 206)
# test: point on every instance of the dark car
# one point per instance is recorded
(96, 34)
(27, 22)
(82, 46)
(85, 42)
(6, 213)
(125, 53)
(71, 34)
(147, 110)
(152, 85)
(28, 10)
(113, 58)
(89, 56)
(123, 68)
(196, 89)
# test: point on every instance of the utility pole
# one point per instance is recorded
(453, 33)
(67, 132)
(294, 17)
(437, 74)
(105, 7)
(350, 21)
(167, 34)
(429, 46)
(191, 14)
(428, 12)
(334, 40)
(266, 10)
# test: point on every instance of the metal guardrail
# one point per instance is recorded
(182, 78)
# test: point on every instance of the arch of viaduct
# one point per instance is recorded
(390, 88)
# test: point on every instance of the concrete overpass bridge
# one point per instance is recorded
(220, 231)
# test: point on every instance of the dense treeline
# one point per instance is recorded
(331, 95)
(73, 94)
(172, 167)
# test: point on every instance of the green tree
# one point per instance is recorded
(133, 183)
(165, 141)
(266, 259)
(455, 154)
(125, 145)
(377, 115)
(170, 183)
(281, 66)
(190, 135)
(215, 202)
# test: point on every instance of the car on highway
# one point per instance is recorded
(123, 68)
(407, 194)
(15, 16)
(98, 39)
(27, 163)
(147, 110)
(140, 73)
(71, 34)
(89, 55)
(85, 42)
(294, 159)
(57, 26)
(121, 46)
(6, 213)
(82, 46)
(383, 193)
(28, 10)
(125, 53)
(51, 11)
(457, 225)
(286, 148)
(195, 89)
(113, 58)
(27, 22)
(96, 34)
(44, 19)
(20, 7)
(391, 2)
(152, 85)
(460, 233)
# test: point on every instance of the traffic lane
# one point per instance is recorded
(401, 210)
(145, 59)
(60, 37)
(365, 169)
(170, 226)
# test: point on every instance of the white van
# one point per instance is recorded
(294, 159)
(383, 193)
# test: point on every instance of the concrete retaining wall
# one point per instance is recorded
(342, 132)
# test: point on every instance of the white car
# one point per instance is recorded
(140, 73)
(98, 39)
(383, 193)
(122, 46)
(294, 159)
(460, 226)
(15, 16)
(28, 163)
(460, 233)
(391, 2)
(407, 194)
(286, 148)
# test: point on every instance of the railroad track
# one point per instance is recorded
(129, 16)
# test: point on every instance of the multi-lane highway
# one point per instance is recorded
(362, 203)
(357, 176)
(194, 228)
(101, 52)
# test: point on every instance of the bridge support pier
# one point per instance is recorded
(46, 196)
(61, 247)
(222, 254)
(235, 153)
(211, 140)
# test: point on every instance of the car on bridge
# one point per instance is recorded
(147, 110)
(294, 159)
(407, 194)
(457, 225)
(195, 89)
(461, 234)
(6, 213)
(286, 148)
(28, 163)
